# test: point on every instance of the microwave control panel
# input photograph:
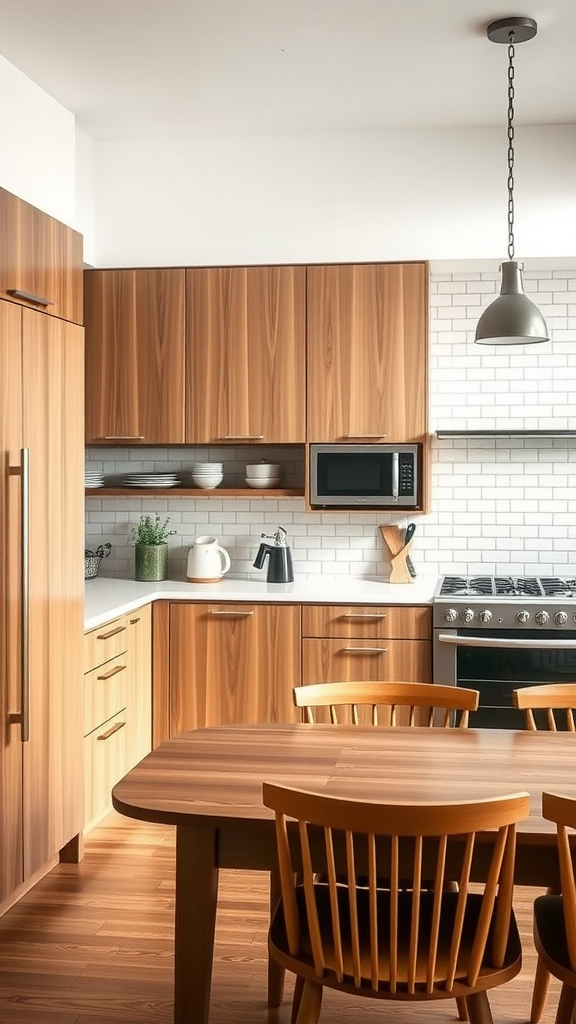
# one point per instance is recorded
(406, 474)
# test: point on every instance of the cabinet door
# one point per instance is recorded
(40, 260)
(367, 352)
(52, 358)
(11, 865)
(134, 356)
(104, 765)
(245, 365)
(139, 698)
(232, 664)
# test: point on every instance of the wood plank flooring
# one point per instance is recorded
(92, 944)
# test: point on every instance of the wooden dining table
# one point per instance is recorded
(208, 783)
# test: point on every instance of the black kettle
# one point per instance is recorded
(279, 558)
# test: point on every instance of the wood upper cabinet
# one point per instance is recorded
(232, 664)
(40, 260)
(367, 352)
(134, 356)
(245, 361)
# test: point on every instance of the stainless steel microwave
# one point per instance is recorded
(369, 476)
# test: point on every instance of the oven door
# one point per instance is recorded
(500, 661)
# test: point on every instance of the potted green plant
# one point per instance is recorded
(150, 538)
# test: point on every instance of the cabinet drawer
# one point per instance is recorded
(104, 643)
(366, 621)
(331, 661)
(104, 766)
(104, 693)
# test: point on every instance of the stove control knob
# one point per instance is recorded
(560, 618)
(522, 617)
(450, 615)
(467, 615)
(485, 615)
(541, 618)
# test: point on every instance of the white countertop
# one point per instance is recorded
(107, 598)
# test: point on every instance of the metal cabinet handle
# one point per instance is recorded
(134, 621)
(113, 632)
(115, 728)
(113, 672)
(243, 437)
(364, 615)
(365, 650)
(25, 597)
(123, 437)
(29, 297)
(352, 437)
(235, 612)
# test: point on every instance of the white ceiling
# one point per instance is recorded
(153, 68)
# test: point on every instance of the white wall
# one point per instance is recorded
(37, 154)
(304, 198)
(86, 194)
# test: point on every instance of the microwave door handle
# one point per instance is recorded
(395, 475)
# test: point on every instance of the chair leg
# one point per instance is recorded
(566, 1005)
(541, 982)
(478, 1007)
(462, 1008)
(276, 974)
(298, 989)
(310, 1004)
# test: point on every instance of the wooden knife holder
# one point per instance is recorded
(394, 539)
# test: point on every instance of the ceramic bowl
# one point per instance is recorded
(207, 481)
(266, 484)
(263, 470)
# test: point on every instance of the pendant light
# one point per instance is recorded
(512, 319)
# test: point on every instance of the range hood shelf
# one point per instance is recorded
(505, 433)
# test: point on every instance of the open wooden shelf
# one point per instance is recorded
(194, 492)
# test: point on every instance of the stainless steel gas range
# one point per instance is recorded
(496, 634)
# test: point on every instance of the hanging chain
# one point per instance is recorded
(511, 146)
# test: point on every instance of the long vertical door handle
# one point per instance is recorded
(25, 598)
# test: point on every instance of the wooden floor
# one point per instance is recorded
(92, 944)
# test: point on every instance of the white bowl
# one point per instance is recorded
(207, 481)
(268, 484)
(207, 467)
(263, 469)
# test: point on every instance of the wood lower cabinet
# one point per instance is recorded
(41, 590)
(134, 356)
(40, 260)
(117, 705)
(367, 352)
(245, 355)
(232, 664)
(366, 644)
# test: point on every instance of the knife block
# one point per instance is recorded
(394, 539)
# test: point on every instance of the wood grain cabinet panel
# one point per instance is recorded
(40, 260)
(232, 664)
(134, 356)
(139, 695)
(245, 354)
(367, 621)
(367, 352)
(105, 642)
(327, 661)
(104, 765)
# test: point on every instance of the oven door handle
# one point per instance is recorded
(480, 641)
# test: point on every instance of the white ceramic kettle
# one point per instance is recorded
(207, 561)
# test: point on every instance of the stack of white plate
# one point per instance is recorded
(93, 478)
(207, 475)
(151, 480)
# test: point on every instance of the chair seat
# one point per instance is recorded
(279, 945)
(550, 930)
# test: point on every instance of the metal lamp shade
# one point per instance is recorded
(512, 319)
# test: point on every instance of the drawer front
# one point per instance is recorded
(104, 643)
(325, 661)
(104, 766)
(367, 621)
(104, 692)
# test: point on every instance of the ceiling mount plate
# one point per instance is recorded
(523, 29)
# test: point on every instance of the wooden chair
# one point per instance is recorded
(555, 919)
(393, 943)
(551, 697)
(428, 698)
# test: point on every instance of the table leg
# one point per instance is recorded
(276, 973)
(196, 900)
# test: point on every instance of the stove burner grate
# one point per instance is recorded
(507, 586)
